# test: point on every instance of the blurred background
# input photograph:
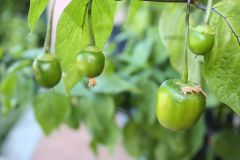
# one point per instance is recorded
(116, 120)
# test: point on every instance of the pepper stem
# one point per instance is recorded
(208, 11)
(47, 44)
(185, 71)
(90, 26)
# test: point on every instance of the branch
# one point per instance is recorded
(203, 7)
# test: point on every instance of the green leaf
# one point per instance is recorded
(113, 84)
(1, 52)
(72, 33)
(230, 9)
(94, 146)
(73, 119)
(19, 65)
(107, 136)
(51, 109)
(172, 30)
(143, 48)
(134, 142)
(7, 93)
(71, 78)
(134, 6)
(26, 86)
(159, 54)
(97, 111)
(226, 144)
(81, 86)
(7, 122)
(132, 139)
(145, 102)
(172, 33)
(36, 9)
(221, 66)
(161, 143)
(8, 85)
(136, 13)
(181, 145)
(69, 38)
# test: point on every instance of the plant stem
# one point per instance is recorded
(47, 44)
(185, 71)
(90, 26)
(208, 11)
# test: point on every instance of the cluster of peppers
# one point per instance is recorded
(180, 103)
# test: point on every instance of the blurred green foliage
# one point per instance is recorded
(16, 85)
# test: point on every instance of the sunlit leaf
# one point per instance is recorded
(36, 9)
(72, 33)
(221, 67)
(51, 109)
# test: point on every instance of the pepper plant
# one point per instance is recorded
(202, 44)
